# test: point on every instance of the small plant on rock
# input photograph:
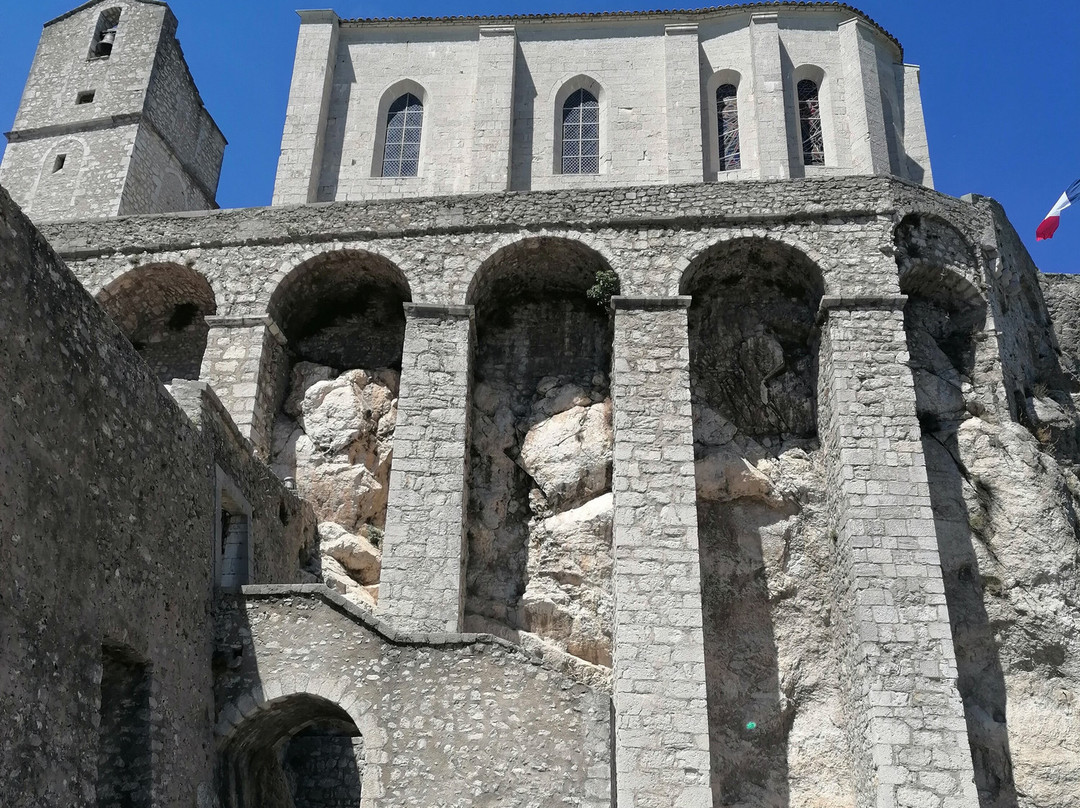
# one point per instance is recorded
(604, 286)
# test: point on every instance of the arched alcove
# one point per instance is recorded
(539, 509)
(302, 751)
(762, 526)
(342, 317)
(162, 309)
(944, 319)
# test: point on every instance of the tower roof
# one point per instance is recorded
(93, 3)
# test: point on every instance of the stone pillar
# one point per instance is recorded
(862, 93)
(422, 584)
(916, 148)
(774, 159)
(494, 124)
(908, 728)
(661, 716)
(682, 68)
(246, 365)
(300, 163)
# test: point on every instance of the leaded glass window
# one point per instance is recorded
(401, 152)
(813, 144)
(581, 134)
(727, 126)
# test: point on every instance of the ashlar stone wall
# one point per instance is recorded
(654, 76)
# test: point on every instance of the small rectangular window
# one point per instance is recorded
(85, 97)
(58, 163)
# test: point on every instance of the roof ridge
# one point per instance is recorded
(731, 7)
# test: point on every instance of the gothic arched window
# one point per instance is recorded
(727, 127)
(581, 134)
(401, 147)
(813, 144)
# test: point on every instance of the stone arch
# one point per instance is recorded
(305, 742)
(758, 271)
(342, 317)
(696, 250)
(925, 241)
(162, 308)
(753, 373)
(538, 519)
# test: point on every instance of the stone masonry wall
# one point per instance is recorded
(106, 486)
(906, 719)
(656, 98)
(107, 530)
(650, 237)
(446, 720)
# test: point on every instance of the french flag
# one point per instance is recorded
(1049, 225)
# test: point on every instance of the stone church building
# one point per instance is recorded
(607, 411)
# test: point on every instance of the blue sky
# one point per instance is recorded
(1000, 82)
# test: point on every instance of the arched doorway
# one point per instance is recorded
(303, 751)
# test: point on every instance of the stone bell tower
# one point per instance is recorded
(110, 122)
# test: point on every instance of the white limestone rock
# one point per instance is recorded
(1022, 509)
(724, 475)
(569, 455)
(338, 412)
(304, 375)
(356, 554)
(337, 577)
(343, 493)
(568, 595)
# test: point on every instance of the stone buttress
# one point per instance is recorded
(907, 720)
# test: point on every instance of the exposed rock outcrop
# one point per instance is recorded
(334, 436)
(542, 505)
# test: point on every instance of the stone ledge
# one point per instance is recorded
(866, 302)
(216, 321)
(622, 303)
(746, 203)
(438, 311)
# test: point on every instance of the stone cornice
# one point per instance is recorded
(749, 204)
